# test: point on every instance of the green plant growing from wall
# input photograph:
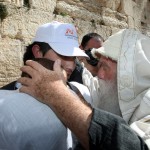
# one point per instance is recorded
(63, 14)
(93, 23)
(56, 12)
(3, 11)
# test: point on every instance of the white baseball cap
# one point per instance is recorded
(61, 37)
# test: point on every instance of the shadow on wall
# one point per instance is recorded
(20, 3)
(145, 17)
(3, 11)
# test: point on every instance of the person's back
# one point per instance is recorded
(28, 124)
(36, 126)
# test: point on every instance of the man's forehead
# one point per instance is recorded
(105, 58)
(94, 40)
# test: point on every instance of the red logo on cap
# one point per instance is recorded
(69, 32)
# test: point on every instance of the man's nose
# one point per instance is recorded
(100, 74)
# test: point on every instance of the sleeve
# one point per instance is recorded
(140, 120)
(92, 83)
(77, 74)
(142, 128)
(108, 131)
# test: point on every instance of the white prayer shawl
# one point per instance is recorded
(133, 78)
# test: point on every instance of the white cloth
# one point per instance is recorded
(71, 139)
(84, 91)
(28, 124)
(142, 128)
(4, 96)
(92, 84)
(133, 79)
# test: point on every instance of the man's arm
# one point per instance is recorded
(94, 129)
(44, 86)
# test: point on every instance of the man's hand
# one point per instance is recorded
(41, 79)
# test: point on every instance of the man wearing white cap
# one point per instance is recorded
(124, 60)
(52, 41)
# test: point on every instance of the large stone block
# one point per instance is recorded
(112, 4)
(131, 22)
(23, 24)
(65, 9)
(113, 18)
(45, 5)
(127, 7)
(10, 60)
(137, 17)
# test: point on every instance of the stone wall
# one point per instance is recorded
(19, 20)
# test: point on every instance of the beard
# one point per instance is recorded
(108, 97)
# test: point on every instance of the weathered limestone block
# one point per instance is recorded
(145, 17)
(18, 3)
(146, 12)
(112, 4)
(84, 27)
(10, 60)
(75, 12)
(104, 31)
(114, 18)
(23, 24)
(62, 18)
(86, 4)
(5, 0)
(46, 5)
(131, 22)
(109, 21)
(127, 7)
(107, 12)
(114, 30)
(137, 17)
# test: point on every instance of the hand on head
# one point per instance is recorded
(41, 79)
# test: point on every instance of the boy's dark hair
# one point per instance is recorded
(28, 55)
(44, 62)
(89, 36)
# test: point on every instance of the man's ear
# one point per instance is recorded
(36, 51)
